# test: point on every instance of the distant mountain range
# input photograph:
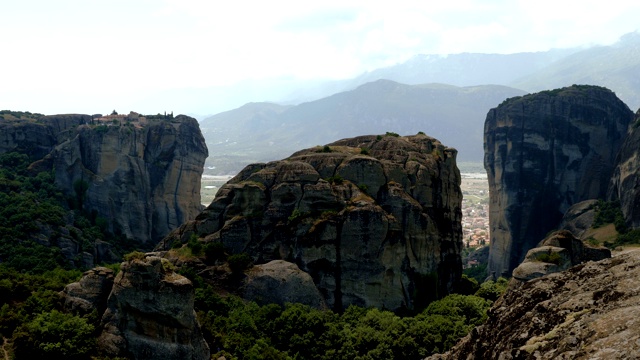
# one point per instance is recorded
(259, 132)
(322, 112)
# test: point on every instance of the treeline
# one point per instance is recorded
(244, 330)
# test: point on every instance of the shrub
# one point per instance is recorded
(492, 290)
(239, 262)
(364, 151)
(363, 188)
(214, 251)
(392, 134)
(135, 255)
(195, 245)
(336, 179)
(551, 258)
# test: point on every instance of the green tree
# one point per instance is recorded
(54, 335)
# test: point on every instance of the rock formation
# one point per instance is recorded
(90, 293)
(141, 174)
(150, 314)
(280, 282)
(144, 179)
(587, 312)
(558, 252)
(624, 185)
(543, 153)
(374, 220)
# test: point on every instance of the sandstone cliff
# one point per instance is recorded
(543, 153)
(626, 176)
(374, 220)
(587, 312)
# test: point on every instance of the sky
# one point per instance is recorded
(93, 56)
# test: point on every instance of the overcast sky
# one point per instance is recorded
(91, 56)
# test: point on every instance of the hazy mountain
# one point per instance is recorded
(467, 69)
(616, 67)
(265, 131)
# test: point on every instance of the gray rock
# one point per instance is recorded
(544, 153)
(380, 230)
(579, 218)
(627, 175)
(280, 282)
(90, 292)
(150, 314)
(587, 312)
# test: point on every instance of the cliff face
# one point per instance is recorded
(142, 175)
(145, 180)
(543, 153)
(374, 220)
(587, 312)
(626, 176)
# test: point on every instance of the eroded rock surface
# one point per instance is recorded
(281, 282)
(375, 220)
(543, 153)
(90, 292)
(150, 314)
(142, 175)
(624, 185)
(591, 311)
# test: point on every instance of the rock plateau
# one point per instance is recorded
(143, 175)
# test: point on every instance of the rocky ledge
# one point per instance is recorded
(589, 311)
(375, 220)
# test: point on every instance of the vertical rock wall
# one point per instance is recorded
(543, 153)
(624, 185)
(144, 179)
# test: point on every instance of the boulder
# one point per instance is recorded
(150, 314)
(579, 218)
(558, 252)
(280, 282)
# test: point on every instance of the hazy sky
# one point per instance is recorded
(91, 56)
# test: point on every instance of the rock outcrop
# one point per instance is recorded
(624, 185)
(579, 218)
(144, 179)
(543, 153)
(143, 175)
(150, 314)
(90, 293)
(587, 312)
(375, 220)
(558, 252)
(280, 282)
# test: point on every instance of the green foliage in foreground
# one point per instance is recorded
(241, 330)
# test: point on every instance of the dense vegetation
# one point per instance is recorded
(245, 330)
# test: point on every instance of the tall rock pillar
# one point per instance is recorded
(543, 153)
